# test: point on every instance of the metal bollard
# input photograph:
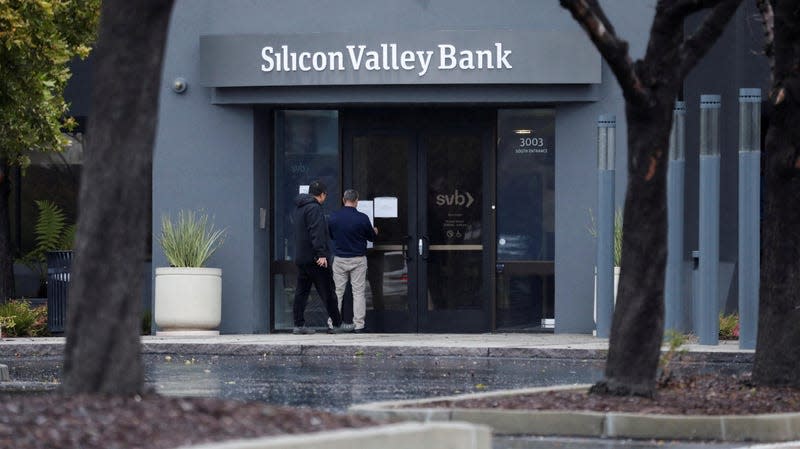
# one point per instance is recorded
(708, 319)
(695, 288)
(606, 127)
(673, 301)
(749, 214)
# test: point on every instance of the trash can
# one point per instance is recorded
(59, 264)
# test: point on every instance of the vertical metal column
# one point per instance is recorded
(749, 214)
(606, 128)
(707, 324)
(673, 300)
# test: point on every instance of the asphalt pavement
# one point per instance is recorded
(334, 372)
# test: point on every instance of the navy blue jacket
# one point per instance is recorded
(310, 230)
(350, 230)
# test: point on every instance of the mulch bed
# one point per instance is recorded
(48, 421)
(696, 395)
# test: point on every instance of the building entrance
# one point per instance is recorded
(429, 175)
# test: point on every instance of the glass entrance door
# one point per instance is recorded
(428, 271)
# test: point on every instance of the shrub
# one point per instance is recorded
(728, 327)
(675, 341)
(26, 321)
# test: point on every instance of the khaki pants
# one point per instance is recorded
(354, 268)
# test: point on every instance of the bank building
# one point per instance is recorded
(468, 126)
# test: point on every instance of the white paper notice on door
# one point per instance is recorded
(367, 208)
(304, 189)
(386, 207)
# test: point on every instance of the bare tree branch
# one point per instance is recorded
(670, 15)
(591, 17)
(712, 27)
(601, 15)
(768, 22)
(786, 50)
(680, 9)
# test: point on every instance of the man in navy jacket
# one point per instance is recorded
(311, 258)
(350, 230)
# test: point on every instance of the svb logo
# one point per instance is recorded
(455, 199)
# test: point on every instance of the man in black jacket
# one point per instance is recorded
(311, 258)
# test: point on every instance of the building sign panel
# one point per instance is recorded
(434, 57)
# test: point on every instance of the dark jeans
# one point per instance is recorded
(322, 278)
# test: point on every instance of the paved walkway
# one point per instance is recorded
(490, 345)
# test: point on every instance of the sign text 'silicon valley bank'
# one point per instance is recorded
(385, 57)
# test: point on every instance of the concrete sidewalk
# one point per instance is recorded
(572, 346)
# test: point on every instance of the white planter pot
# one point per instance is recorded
(188, 301)
(616, 283)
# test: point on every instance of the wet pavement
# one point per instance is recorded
(333, 372)
(333, 383)
(336, 382)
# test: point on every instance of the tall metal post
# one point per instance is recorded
(673, 299)
(749, 214)
(606, 129)
(707, 324)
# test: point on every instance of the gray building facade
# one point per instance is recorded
(470, 126)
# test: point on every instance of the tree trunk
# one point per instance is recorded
(777, 360)
(638, 324)
(103, 322)
(6, 249)
(650, 87)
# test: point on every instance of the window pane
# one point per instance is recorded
(525, 184)
(306, 149)
(525, 218)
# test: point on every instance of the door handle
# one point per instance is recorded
(423, 247)
(419, 246)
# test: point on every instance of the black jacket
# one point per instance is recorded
(310, 230)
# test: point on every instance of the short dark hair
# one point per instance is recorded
(350, 195)
(317, 188)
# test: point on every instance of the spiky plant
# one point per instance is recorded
(618, 238)
(592, 229)
(191, 240)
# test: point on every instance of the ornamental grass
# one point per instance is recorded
(191, 240)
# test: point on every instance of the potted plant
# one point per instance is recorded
(188, 295)
(592, 229)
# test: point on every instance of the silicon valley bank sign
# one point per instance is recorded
(435, 57)
(387, 57)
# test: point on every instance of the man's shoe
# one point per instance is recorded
(341, 329)
(360, 330)
(302, 330)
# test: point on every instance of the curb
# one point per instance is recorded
(32, 348)
(763, 428)
(392, 436)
